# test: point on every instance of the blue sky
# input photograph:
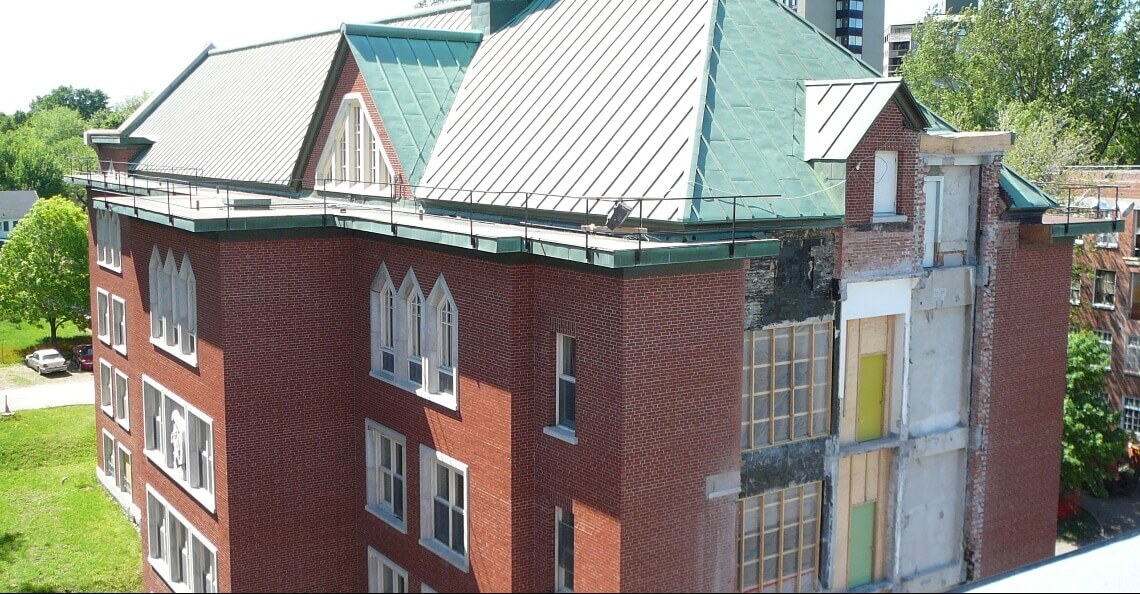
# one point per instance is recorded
(125, 47)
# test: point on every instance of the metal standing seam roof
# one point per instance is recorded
(839, 113)
(454, 16)
(412, 76)
(15, 204)
(241, 114)
(752, 132)
(578, 98)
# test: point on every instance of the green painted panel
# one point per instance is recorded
(872, 387)
(861, 545)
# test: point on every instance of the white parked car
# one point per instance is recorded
(46, 361)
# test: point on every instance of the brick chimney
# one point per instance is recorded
(489, 16)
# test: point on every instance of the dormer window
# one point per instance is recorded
(353, 162)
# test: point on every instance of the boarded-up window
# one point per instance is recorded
(886, 182)
(778, 540)
(786, 384)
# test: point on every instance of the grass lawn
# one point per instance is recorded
(59, 530)
(17, 340)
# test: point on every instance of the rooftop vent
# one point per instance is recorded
(250, 202)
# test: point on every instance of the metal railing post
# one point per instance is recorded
(732, 244)
(471, 216)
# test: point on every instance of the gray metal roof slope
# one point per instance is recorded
(412, 76)
(578, 98)
(15, 204)
(454, 16)
(839, 113)
(241, 114)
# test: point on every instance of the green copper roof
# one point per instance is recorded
(1023, 194)
(412, 75)
(751, 136)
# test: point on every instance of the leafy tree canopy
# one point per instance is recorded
(1092, 440)
(1065, 60)
(86, 101)
(36, 155)
(112, 117)
(43, 266)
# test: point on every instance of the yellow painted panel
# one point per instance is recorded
(872, 389)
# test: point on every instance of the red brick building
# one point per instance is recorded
(1106, 281)
(458, 302)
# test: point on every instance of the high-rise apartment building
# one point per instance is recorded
(856, 24)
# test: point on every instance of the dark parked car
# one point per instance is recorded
(82, 355)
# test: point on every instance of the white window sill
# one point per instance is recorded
(888, 218)
(108, 266)
(388, 517)
(159, 566)
(562, 433)
(105, 339)
(175, 351)
(1106, 246)
(121, 349)
(203, 496)
(1074, 303)
(448, 401)
(124, 422)
(123, 499)
(109, 410)
(1104, 306)
(459, 561)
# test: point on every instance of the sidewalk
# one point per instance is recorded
(81, 390)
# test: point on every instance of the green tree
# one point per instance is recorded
(1092, 440)
(85, 101)
(1075, 56)
(36, 155)
(1048, 140)
(43, 266)
(112, 117)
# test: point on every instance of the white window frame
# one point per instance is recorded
(559, 570)
(439, 338)
(122, 399)
(1075, 290)
(885, 201)
(349, 161)
(1108, 241)
(1130, 414)
(1132, 355)
(174, 306)
(107, 387)
(374, 435)
(1098, 296)
(429, 460)
(377, 563)
(426, 589)
(108, 240)
(103, 305)
(430, 337)
(205, 495)
(1106, 342)
(122, 449)
(119, 325)
(161, 564)
(383, 302)
(109, 463)
(560, 429)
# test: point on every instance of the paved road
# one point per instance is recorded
(65, 392)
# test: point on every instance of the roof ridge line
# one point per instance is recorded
(272, 42)
(373, 30)
(427, 11)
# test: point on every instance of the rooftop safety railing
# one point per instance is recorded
(1076, 203)
(167, 189)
